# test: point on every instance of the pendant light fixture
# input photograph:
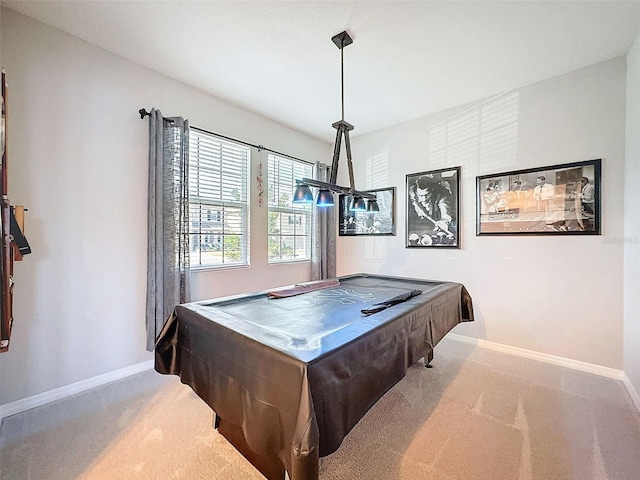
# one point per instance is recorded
(362, 201)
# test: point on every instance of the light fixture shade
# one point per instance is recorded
(372, 206)
(325, 198)
(302, 194)
(358, 204)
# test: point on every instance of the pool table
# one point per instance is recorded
(288, 378)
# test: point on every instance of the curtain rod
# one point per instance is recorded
(143, 113)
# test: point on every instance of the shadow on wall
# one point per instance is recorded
(482, 138)
(485, 135)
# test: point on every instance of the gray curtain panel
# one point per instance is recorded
(323, 233)
(168, 272)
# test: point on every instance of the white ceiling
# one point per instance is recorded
(408, 59)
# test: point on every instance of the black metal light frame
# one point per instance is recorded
(343, 128)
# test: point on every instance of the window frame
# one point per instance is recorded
(215, 206)
(305, 170)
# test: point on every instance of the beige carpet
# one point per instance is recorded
(477, 414)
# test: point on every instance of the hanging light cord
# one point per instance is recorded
(302, 193)
(342, 75)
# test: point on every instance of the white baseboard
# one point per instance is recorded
(24, 404)
(632, 392)
(543, 357)
(563, 362)
(68, 390)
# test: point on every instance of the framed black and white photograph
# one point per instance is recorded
(381, 222)
(433, 209)
(553, 200)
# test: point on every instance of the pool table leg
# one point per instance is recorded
(427, 359)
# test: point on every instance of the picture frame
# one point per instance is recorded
(356, 223)
(560, 199)
(433, 209)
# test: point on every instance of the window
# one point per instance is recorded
(289, 226)
(218, 207)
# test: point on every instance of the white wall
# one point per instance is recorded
(78, 155)
(632, 222)
(554, 295)
(78, 161)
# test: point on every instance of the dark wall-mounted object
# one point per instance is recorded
(362, 222)
(13, 243)
(19, 239)
(433, 209)
(551, 200)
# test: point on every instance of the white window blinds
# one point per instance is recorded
(218, 201)
(289, 225)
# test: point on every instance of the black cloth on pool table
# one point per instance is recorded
(296, 374)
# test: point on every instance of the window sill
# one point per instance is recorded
(216, 268)
(288, 260)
